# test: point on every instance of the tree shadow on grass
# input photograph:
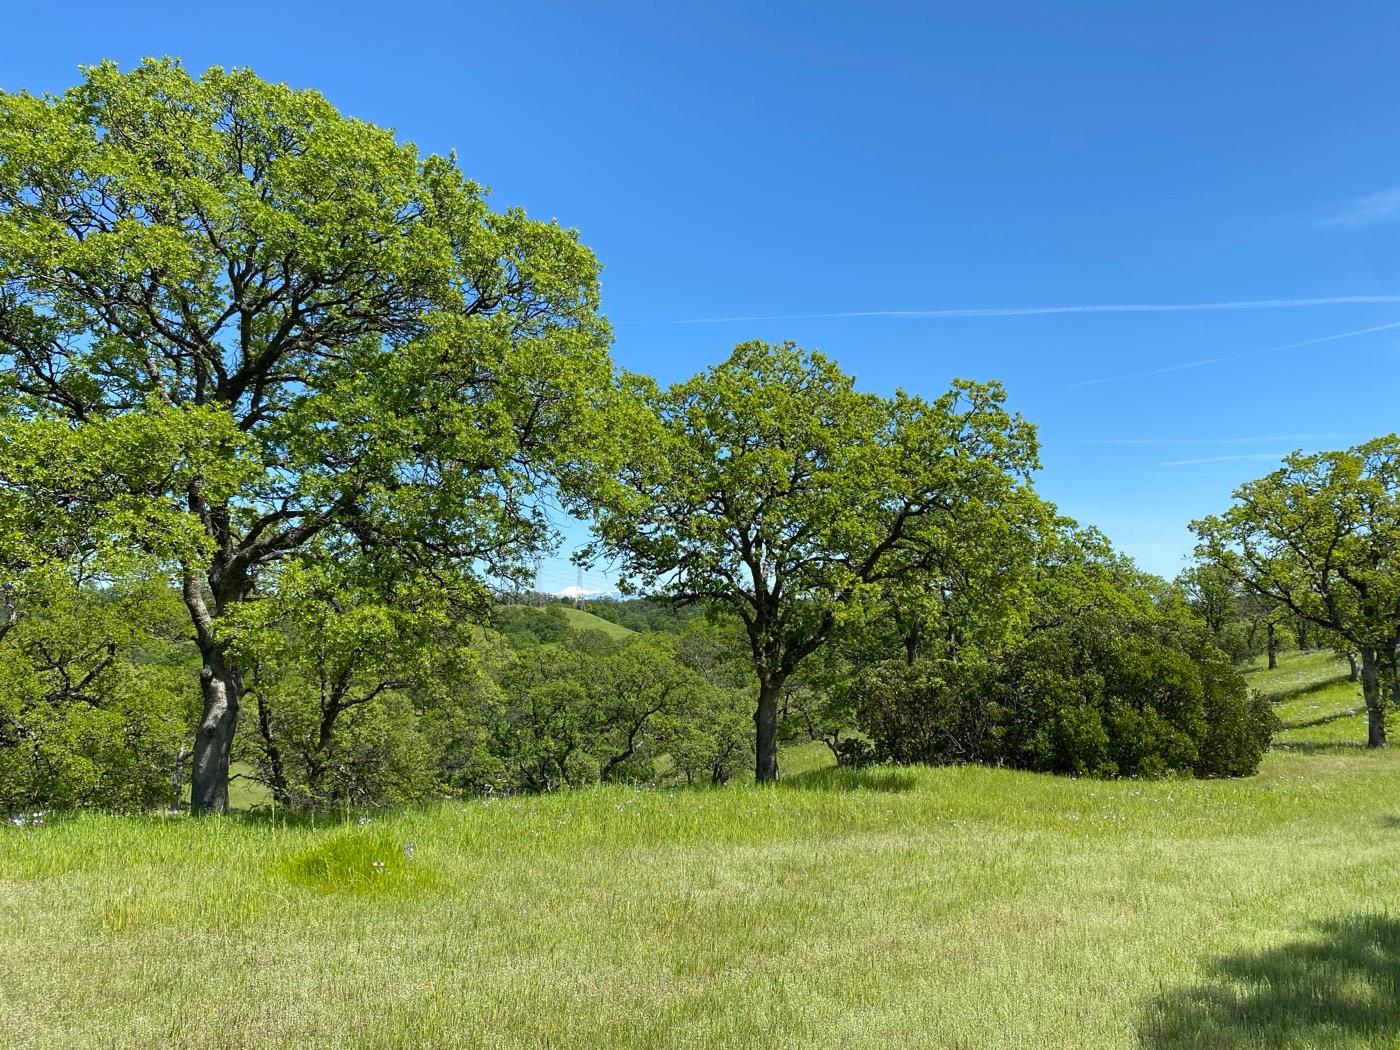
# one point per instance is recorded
(1302, 692)
(1338, 988)
(1320, 747)
(1323, 720)
(889, 781)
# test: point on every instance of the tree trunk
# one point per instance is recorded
(221, 685)
(1273, 647)
(1375, 701)
(765, 720)
(281, 791)
(1354, 675)
(177, 780)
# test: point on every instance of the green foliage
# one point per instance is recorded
(1319, 539)
(1113, 678)
(1240, 724)
(355, 346)
(1320, 536)
(525, 625)
(591, 709)
(96, 696)
(1241, 622)
(346, 659)
(774, 490)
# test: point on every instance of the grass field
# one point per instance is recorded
(580, 620)
(924, 907)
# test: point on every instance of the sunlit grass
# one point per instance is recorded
(957, 907)
(580, 620)
(1320, 709)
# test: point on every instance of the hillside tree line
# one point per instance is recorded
(286, 406)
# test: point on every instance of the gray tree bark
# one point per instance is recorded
(765, 719)
(1375, 701)
(222, 688)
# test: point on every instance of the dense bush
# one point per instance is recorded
(361, 699)
(1076, 699)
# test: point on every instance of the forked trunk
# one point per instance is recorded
(1354, 672)
(765, 720)
(222, 686)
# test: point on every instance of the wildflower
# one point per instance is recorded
(408, 851)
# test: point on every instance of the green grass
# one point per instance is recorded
(243, 791)
(902, 907)
(586, 621)
(1319, 708)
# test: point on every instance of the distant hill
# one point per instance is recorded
(586, 621)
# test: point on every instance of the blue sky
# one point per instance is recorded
(898, 184)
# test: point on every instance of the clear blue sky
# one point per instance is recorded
(796, 165)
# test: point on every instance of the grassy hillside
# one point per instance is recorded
(1320, 709)
(586, 621)
(926, 907)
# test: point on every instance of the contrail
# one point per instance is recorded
(1033, 311)
(1262, 439)
(1235, 357)
(1224, 459)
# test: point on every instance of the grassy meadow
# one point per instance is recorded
(579, 620)
(951, 907)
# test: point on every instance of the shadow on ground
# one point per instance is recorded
(1304, 691)
(1321, 747)
(886, 780)
(1338, 988)
(1323, 720)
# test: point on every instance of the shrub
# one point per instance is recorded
(1077, 700)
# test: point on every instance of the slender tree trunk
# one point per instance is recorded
(221, 685)
(1273, 647)
(765, 720)
(177, 780)
(276, 768)
(1354, 675)
(1375, 701)
(317, 760)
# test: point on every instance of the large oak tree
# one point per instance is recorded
(367, 350)
(778, 491)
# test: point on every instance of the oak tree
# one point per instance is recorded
(368, 348)
(1320, 537)
(779, 492)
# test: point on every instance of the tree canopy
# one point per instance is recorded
(285, 408)
(369, 354)
(1320, 536)
(780, 492)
